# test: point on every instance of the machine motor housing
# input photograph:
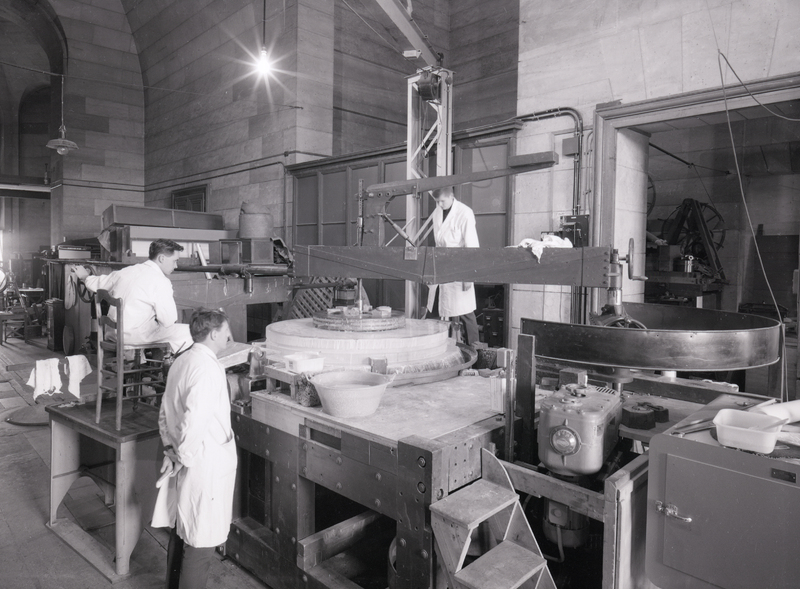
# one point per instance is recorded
(578, 428)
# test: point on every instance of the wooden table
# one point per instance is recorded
(123, 464)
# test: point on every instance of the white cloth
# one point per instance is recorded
(457, 230)
(195, 419)
(150, 311)
(537, 247)
(166, 508)
(77, 368)
(45, 378)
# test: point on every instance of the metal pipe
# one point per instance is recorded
(252, 269)
(578, 158)
(506, 360)
(577, 310)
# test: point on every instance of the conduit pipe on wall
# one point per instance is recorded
(578, 158)
(578, 306)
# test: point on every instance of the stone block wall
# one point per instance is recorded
(104, 116)
(581, 54)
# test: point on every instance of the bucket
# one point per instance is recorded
(255, 225)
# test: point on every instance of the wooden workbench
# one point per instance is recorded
(123, 464)
(422, 444)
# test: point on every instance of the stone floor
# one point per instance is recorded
(33, 557)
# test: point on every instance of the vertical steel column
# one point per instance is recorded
(420, 482)
(417, 147)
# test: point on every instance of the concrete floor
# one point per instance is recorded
(33, 557)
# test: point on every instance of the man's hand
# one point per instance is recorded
(81, 272)
(169, 467)
(465, 286)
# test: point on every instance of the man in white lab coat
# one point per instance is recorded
(200, 452)
(454, 226)
(150, 311)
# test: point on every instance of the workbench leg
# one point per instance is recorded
(64, 464)
(134, 496)
(420, 472)
(127, 519)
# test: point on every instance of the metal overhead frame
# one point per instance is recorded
(430, 89)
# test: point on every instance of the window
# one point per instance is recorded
(190, 199)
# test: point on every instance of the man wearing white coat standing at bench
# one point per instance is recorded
(199, 452)
(454, 226)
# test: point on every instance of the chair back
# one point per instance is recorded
(112, 321)
(111, 343)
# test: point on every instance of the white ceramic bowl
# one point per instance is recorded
(756, 432)
(350, 393)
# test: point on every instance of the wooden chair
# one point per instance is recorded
(19, 319)
(116, 375)
(14, 322)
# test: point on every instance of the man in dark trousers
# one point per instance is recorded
(200, 452)
(454, 226)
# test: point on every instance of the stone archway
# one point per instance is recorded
(34, 43)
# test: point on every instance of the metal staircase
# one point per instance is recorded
(514, 559)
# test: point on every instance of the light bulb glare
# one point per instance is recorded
(264, 65)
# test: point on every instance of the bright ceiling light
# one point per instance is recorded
(264, 64)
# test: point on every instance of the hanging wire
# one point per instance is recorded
(688, 164)
(720, 58)
(753, 96)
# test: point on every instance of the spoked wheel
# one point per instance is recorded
(626, 323)
(690, 238)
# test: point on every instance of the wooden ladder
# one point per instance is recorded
(514, 559)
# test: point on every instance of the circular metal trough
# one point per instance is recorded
(675, 338)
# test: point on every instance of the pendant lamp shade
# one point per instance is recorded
(62, 145)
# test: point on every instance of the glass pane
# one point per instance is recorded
(397, 208)
(334, 234)
(368, 174)
(395, 171)
(487, 196)
(334, 197)
(491, 230)
(306, 235)
(306, 204)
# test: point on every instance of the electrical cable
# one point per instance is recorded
(784, 393)
(753, 96)
(688, 164)
(783, 384)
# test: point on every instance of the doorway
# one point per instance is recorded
(689, 157)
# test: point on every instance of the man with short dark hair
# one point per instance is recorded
(200, 452)
(454, 226)
(150, 312)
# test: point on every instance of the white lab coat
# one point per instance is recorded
(458, 230)
(195, 419)
(150, 311)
